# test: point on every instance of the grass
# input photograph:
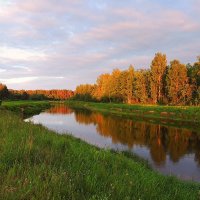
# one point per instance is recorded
(36, 163)
(25, 108)
(184, 116)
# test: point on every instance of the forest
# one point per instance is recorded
(174, 84)
(9, 94)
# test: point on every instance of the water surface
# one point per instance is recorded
(169, 150)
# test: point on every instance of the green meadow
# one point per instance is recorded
(36, 163)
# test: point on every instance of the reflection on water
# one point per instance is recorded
(169, 150)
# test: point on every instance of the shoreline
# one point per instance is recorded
(38, 162)
(184, 116)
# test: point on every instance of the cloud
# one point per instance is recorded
(77, 40)
(13, 53)
(28, 79)
(18, 80)
(2, 70)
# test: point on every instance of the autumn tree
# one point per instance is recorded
(194, 79)
(175, 84)
(113, 85)
(122, 84)
(158, 67)
(130, 78)
(178, 88)
(147, 75)
(4, 93)
(40, 94)
(140, 88)
(84, 92)
(103, 88)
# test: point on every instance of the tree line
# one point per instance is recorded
(6, 94)
(173, 84)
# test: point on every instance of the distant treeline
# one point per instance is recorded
(174, 84)
(6, 94)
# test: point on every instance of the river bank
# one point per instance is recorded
(25, 108)
(37, 163)
(179, 116)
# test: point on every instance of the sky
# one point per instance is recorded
(51, 44)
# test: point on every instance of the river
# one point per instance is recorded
(169, 150)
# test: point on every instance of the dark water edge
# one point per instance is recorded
(169, 150)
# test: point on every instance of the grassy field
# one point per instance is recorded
(36, 163)
(184, 116)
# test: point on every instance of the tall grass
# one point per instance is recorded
(36, 163)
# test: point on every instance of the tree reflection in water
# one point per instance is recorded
(160, 140)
